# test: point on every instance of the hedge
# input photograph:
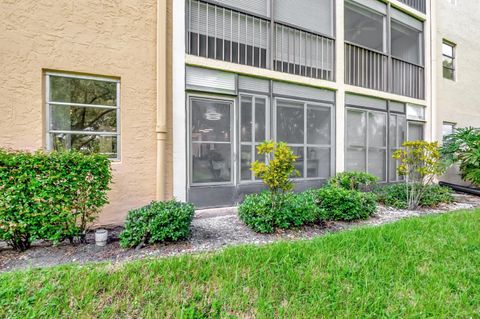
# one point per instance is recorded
(51, 196)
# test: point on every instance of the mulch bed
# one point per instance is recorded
(211, 231)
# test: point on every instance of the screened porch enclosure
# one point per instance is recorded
(384, 49)
(250, 32)
(224, 131)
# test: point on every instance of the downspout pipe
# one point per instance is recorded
(161, 123)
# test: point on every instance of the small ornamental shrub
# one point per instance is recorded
(158, 222)
(341, 204)
(463, 148)
(277, 170)
(420, 162)
(353, 180)
(396, 196)
(295, 210)
(51, 196)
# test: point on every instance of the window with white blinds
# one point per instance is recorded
(312, 15)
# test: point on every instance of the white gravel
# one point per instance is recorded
(212, 230)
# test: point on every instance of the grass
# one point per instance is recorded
(416, 268)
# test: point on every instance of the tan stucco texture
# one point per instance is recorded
(114, 38)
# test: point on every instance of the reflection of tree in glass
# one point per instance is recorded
(85, 91)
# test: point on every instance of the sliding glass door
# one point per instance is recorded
(211, 136)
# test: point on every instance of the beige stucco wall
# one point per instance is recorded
(110, 38)
(458, 101)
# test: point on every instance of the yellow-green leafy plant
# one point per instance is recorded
(420, 162)
(278, 168)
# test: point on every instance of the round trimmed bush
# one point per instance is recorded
(342, 204)
(291, 210)
(157, 222)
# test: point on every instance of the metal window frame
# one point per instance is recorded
(453, 58)
(415, 122)
(252, 143)
(232, 142)
(305, 103)
(367, 146)
(48, 103)
(397, 146)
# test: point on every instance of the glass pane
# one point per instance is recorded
(377, 163)
(259, 157)
(355, 159)
(377, 130)
(393, 169)
(290, 122)
(406, 43)
(246, 160)
(73, 118)
(299, 163)
(318, 125)
(318, 162)
(210, 120)
(447, 129)
(260, 119)
(415, 132)
(211, 163)
(415, 112)
(246, 119)
(402, 130)
(364, 27)
(448, 74)
(393, 131)
(356, 128)
(73, 90)
(447, 62)
(87, 144)
(447, 50)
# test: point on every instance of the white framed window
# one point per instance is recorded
(448, 128)
(448, 60)
(83, 114)
(307, 128)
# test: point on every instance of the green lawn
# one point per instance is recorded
(417, 268)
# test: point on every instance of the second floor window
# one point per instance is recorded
(448, 60)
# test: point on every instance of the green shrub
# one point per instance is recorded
(395, 195)
(291, 210)
(50, 196)
(342, 204)
(463, 147)
(157, 222)
(420, 163)
(353, 180)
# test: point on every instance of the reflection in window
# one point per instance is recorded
(211, 149)
(307, 129)
(365, 27)
(253, 131)
(82, 114)
(366, 142)
(397, 134)
(448, 60)
(406, 43)
(415, 131)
